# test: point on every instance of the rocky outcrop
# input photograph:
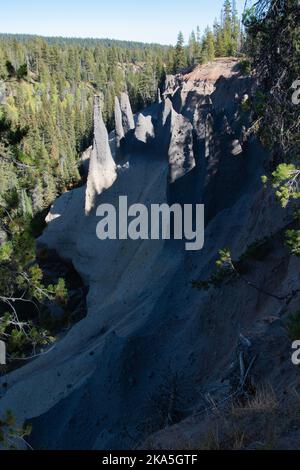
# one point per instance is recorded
(164, 127)
(170, 85)
(236, 147)
(181, 154)
(166, 112)
(144, 130)
(147, 331)
(127, 116)
(119, 131)
(158, 96)
(102, 168)
(85, 160)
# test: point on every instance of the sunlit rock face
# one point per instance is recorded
(102, 168)
(144, 130)
(119, 131)
(127, 116)
(85, 160)
(158, 96)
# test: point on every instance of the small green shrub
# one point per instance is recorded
(292, 240)
(10, 434)
(245, 66)
(224, 272)
(22, 338)
(260, 103)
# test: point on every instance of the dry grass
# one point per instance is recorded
(223, 436)
(261, 422)
(265, 400)
(241, 424)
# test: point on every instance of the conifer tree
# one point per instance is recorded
(208, 51)
(179, 59)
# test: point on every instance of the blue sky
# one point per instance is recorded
(143, 20)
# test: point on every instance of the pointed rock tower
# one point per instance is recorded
(102, 168)
(127, 116)
(118, 126)
(158, 96)
(181, 154)
(144, 130)
(163, 127)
